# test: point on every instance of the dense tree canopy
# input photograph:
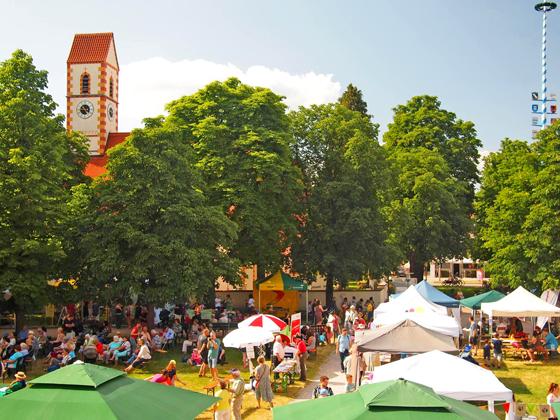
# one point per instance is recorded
(241, 140)
(352, 99)
(433, 206)
(148, 228)
(518, 212)
(343, 229)
(421, 122)
(39, 162)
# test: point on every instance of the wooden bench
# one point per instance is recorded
(211, 388)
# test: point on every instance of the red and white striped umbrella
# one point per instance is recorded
(268, 322)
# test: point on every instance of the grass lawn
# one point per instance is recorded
(189, 375)
(529, 381)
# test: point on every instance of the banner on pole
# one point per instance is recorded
(295, 324)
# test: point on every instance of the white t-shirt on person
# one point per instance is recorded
(144, 352)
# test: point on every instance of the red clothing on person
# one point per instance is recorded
(134, 332)
(301, 347)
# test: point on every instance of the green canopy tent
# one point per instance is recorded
(399, 400)
(90, 392)
(474, 302)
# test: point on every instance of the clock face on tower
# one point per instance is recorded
(85, 109)
(110, 112)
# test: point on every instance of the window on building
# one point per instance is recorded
(84, 84)
(111, 87)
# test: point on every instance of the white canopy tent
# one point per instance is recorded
(442, 324)
(409, 301)
(448, 375)
(520, 303)
(412, 305)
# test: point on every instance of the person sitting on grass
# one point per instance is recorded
(142, 357)
(167, 376)
(111, 348)
(16, 385)
(122, 351)
(195, 359)
(323, 390)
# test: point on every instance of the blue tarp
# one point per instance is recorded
(434, 295)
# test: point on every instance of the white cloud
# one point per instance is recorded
(147, 85)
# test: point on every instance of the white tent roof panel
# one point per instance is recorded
(520, 303)
(448, 375)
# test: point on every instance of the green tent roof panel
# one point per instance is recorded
(90, 392)
(474, 302)
(79, 374)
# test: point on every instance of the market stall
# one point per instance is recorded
(436, 296)
(520, 303)
(468, 382)
(407, 302)
(406, 336)
(279, 294)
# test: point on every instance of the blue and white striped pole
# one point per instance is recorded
(544, 8)
(544, 104)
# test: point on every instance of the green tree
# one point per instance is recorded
(430, 223)
(149, 227)
(422, 127)
(343, 234)
(421, 122)
(353, 100)
(39, 162)
(518, 210)
(242, 144)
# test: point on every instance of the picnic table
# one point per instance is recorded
(288, 369)
(514, 347)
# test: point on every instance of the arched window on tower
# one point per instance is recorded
(84, 84)
(111, 87)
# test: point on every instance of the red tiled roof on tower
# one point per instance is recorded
(90, 48)
(97, 165)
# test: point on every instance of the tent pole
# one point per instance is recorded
(306, 311)
(259, 299)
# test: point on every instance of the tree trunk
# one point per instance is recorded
(210, 297)
(260, 272)
(20, 318)
(416, 268)
(151, 318)
(329, 292)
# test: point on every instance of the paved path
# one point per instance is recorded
(330, 368)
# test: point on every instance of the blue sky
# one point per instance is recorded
(481, 57)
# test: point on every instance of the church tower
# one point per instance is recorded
(92, 89)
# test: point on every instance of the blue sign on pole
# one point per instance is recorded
(535, 108)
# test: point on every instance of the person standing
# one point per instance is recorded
(302, 357)
(350, 317)
(343, 346)
(473, 335)
(202, 346)
(553, 397)
(263, 388)
(277, 354)
(318, 313)
(236, 389)
(221, 408)
(213, 353)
